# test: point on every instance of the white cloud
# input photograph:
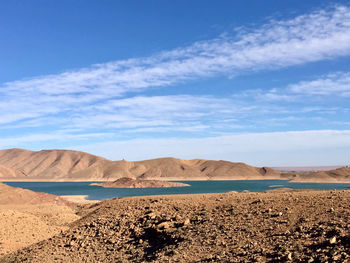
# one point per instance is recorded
(141, 111)
(320, 35)
(336, 84)
(58, 136)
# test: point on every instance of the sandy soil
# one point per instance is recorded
(278, 226)
(27, 217)
(23, 225)
(79, 199)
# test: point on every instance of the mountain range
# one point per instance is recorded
(68, 165)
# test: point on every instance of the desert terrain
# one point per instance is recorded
(28, 217)
(324, 176)
(66, 165)
(277, 226)
(280, 225)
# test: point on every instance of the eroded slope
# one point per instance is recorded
(294, 226)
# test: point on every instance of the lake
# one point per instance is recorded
(197, 187)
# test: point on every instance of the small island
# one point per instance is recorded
(126, 182)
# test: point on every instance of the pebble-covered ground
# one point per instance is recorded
(294, 226)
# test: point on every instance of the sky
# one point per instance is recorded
(261, 82)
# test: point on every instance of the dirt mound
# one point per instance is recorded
(126, 182)
(48, 163)
(18, 196)
(305, 226)
(338, 175)
(23, 225)
(28, 217)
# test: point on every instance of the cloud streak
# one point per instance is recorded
(320, 35)
(105, 102)
(337, 84)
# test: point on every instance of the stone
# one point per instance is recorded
(164, 225)
(333, 240)
(187, 222)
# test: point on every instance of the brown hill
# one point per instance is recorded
(170, 168)
(337, 176)
(18, 196)
(74, 165)
(306, 169)
(175, 169)
(46, 163)
(127, 182)
(28, 217)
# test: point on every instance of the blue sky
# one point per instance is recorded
(263, 82)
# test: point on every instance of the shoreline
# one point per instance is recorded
(96, 180)
(79, 199)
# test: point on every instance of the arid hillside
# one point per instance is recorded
(28, 217)
(66, 165)
(18, 196)
(292, 226)
(73, 165)
(337, 175)
(306, 169)
(9, 172)
(176, 169)
(47, 163)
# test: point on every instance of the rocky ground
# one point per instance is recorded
(278, 226)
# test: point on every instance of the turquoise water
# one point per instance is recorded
(197, 187)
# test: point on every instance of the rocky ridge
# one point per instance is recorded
(341, 174)
(72, 165)
(66, 165)
(293, 226)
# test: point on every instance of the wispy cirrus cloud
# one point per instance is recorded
(103, 95)
(320, 35)
(162, 113)
(57, 136)
(337, 84)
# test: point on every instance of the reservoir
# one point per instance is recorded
(196, 187)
